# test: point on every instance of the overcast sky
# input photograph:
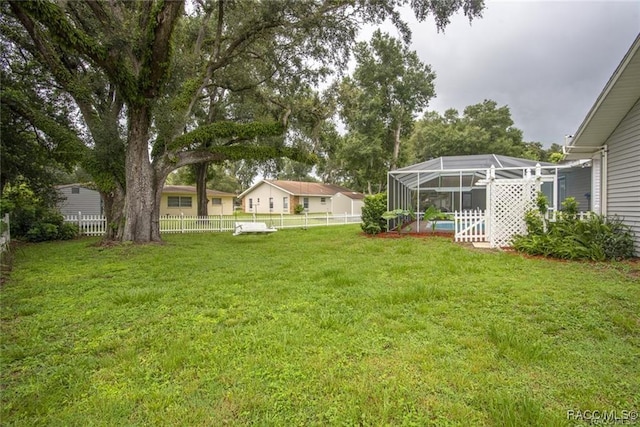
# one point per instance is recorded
(547, 60)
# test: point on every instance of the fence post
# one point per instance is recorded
(5, 237)
(181, 222)
(327, 218)
(281, 220)
(306, 220)
(346, 220)
(80, 221)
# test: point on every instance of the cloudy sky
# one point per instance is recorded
(547, 60)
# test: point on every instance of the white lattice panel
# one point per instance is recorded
(510, 199)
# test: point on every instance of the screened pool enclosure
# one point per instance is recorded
(456, 183)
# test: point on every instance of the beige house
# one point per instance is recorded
(269, 196)
(182, 199)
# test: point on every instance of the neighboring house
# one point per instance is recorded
(182, 199)
(609, 136)
(79, 198)
(283, 196)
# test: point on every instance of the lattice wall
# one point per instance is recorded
(509, 200)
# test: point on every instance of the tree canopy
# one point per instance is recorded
(145, 78)
(483, 128)
(379, 102)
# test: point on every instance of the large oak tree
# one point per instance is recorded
(116, 59)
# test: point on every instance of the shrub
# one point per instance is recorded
(32, 219)
(68, 231)
(42, 231)
(598, 238)
(298, 209)
(375, 206)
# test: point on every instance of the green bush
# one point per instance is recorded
(68, 231)
(298, 209)
(42, 231)
(597, 238)
(32, 219)
(375, 206)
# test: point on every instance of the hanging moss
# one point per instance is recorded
(261, 153)
(209, 134)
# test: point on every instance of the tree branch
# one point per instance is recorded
(156, 63)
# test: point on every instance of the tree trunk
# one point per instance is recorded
(396, 147)
(201, 188)
(140, 208)
(114, 213)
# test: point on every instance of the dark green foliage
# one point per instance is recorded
(375, 206)
(226, 130)
(483, 128)
(298, 209)
(597, 238)
(32, 218)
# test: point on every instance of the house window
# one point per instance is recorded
(216, 201)
(285, 203)
(250, 203)
(323, 200)
(270, 202)
(305, 202)
(75, 190)
(179, 201)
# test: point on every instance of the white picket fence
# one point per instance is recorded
(95, 225)
(89, 225)
(552, 216)
(470, 226)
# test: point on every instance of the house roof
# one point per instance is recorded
(182, 189)
(619, 95)
(439, 172)
(303, 188)
(88, 185)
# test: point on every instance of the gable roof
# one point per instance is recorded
(303, 188)
(88, 186)
(619, 95)
(189, 189)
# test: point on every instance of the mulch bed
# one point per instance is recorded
(396, 235)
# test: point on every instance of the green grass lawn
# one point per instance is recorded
(316, 327)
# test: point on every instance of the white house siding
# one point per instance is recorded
(345, 204)
(257, 201)
(87, 201)
(623, 172)
(316, 205)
